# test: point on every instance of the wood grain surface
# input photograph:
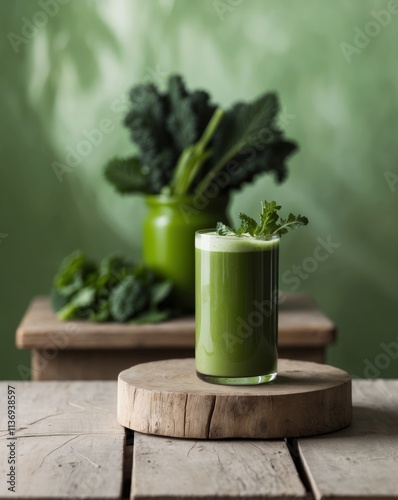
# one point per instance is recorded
(68, 442)
(176, 468)
(360, 462)
(301, 323)
(70, 446)
(167, 398)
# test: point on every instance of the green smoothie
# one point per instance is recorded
(236, 308)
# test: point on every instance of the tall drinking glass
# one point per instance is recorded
(236, 308)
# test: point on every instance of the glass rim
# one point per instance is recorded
(208, 234)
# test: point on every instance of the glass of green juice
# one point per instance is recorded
(236, 323)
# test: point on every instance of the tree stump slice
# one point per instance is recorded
(167, 398)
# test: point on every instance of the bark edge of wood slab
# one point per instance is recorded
(166, 398)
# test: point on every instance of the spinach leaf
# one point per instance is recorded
(127, 299)
(115, 290)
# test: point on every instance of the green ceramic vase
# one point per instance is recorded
(169, 239)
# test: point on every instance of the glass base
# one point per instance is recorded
(259, 379)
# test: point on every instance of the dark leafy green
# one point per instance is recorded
(115, 290)
(185, 142)
(270, 223)
(127, 299)
(75, 270)
(127, 175)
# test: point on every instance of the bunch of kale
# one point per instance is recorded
(114, 290)
(178, 136)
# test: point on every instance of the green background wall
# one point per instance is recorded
(340, 104)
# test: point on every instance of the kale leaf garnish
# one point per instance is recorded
(270, 223)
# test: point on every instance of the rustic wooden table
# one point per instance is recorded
(66, 444)
(89, 351)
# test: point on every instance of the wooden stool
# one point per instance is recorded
(79, 350)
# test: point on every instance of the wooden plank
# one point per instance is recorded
(167, 398)
(68, 443)
(360, 462)
(301, 323)
(61, 467)
(173, 468)
(68, 407)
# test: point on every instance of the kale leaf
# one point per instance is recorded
(185, 142)
(127, 175)
(161, 125)
(147, 124)
(249, 139)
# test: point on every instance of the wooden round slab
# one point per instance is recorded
(168, 399)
